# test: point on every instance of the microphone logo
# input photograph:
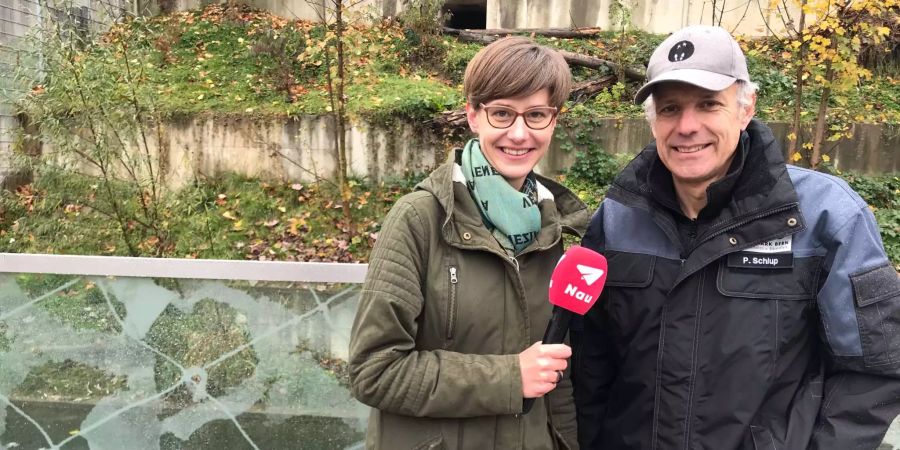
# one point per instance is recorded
(589, 274)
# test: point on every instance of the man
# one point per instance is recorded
(749, 304)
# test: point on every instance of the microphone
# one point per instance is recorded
(575, 285)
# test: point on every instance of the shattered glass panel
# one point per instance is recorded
(137, 363)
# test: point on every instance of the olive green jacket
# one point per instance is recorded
(443, 315)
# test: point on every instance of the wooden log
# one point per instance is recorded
(574, 59)
(562, 33)
(577, 59)
(586, 90)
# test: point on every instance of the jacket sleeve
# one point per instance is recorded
(387, 371)
(592, 362)
(862, 382)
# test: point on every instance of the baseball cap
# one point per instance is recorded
(705, 56)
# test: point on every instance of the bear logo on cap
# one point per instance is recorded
(681, 51)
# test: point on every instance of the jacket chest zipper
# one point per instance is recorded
(451, 303)
(722, 228)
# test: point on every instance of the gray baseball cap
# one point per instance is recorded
(705, 56)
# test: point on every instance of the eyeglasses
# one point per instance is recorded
(536, 118)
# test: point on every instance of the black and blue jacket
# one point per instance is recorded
(777, 326)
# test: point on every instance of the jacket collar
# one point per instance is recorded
(561, 210)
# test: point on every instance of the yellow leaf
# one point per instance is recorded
(792, 137)
(826, 158)
(229, 215)
(238, 226)
(883, 31)
(796, 156)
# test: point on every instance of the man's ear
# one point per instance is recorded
(748, 111)
(471, 114)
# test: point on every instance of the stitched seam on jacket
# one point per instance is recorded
(688, 420)
(828, 398)
(891, 360)
(654, 439)
(403, 302)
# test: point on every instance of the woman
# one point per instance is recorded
(445, 342)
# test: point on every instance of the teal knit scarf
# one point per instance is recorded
(512, 216)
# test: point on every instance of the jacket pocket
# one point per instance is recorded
(877, 295)
(632, 270)
(452, 306)
(799, 282)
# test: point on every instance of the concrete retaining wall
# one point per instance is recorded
(748, 17)
(302, 150)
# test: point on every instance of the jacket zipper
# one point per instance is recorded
(715, 232)
(451, 304)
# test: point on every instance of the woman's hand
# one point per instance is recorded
(542, 367)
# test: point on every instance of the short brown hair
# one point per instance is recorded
(515, 67)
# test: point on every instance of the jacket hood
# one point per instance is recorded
(766, 188)
(566, 209)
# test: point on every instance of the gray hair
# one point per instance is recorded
(746, 89)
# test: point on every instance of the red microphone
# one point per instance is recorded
(575, 285)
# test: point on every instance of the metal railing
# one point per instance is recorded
(205, 269)
(144, 353)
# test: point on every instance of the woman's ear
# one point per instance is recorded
(472, 117)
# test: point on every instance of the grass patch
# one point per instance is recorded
(69, 381)
(198, 338)
(226, 217)
(81, 305)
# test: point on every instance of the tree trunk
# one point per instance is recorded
(822, 115)
(794, 145)
(342, 119)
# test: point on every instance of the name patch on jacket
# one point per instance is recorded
(774, 254)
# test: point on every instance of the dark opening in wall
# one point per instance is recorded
(471, 16)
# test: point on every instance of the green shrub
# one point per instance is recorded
(596, 166)
(880, 191)
(889, 222)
